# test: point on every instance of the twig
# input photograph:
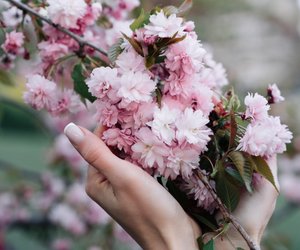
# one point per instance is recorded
(77, 38)
(252, 245)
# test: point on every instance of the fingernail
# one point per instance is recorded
(74, 133)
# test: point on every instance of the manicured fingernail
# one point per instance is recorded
(74, 133)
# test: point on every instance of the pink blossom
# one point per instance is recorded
(40, 92)
(191, 128)
(256, 107)
(102, 80)
(128, 5)
(107, 114)
(136, 87)
(141, 37)
(275, 94)
(149, 150)
(143, 114)
(53, 185)
(177, 85)
(185, 57)
(189, 26)
(181, 161)
(163, 124)
(201, 98)
(162, 26)
(51, 51)
(14, 43)
(92, 14)
(126, 118)
(65, 216)
(265, 138)
(130, 60)
(218, 72)
(66, 13)
(196, 190)
(122, 139)
(66, 102)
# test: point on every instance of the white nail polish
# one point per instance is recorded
(74, 133)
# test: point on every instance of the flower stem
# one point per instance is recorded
(252, 245)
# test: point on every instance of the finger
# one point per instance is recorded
(99, 131)
(99, 189)
(97, 154)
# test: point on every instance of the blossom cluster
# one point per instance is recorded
(159, 115)
(165, 137)
(265, 135)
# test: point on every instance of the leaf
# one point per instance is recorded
(245, 169)
(209, 245)
(137, 47)
(79, 83)
(235, 174)
(115, 50)
(262, 167)
(227, 191)
(6, 78)
(141, 21)
(185, 7)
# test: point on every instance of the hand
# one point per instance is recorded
(148, 212)
(132, 197)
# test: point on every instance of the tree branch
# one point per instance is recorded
(252, 245)
(77, 38)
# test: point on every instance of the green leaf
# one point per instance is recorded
(235, 174)
(209, 245)
(115, 50)
(141, 21)
(6, 78)
(185, 7)
(79, 83)
(227, 191)
(245, 168)
(239, 248)
(262, 167)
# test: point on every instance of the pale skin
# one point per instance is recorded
(148, 212)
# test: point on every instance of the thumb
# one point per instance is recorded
(95, 152)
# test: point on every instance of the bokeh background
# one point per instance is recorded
(258, 41)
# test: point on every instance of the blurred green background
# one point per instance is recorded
(258, 41)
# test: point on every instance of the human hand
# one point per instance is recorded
(132, 197)
(148, 212)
